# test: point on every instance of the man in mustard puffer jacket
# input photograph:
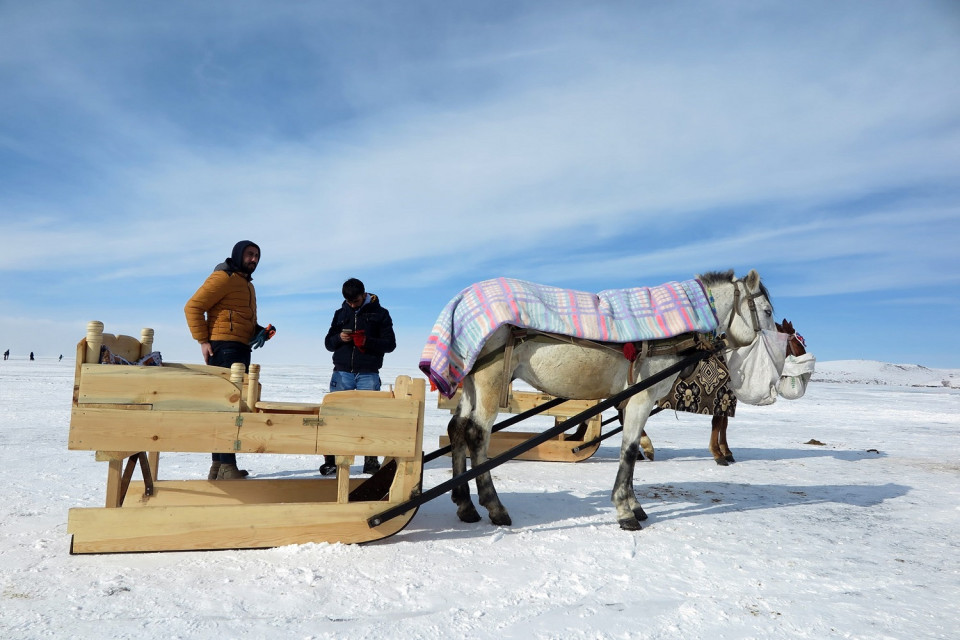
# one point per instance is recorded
(222, 316)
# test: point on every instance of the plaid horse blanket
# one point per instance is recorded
(614, 315)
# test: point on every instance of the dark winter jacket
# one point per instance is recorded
(377, 326)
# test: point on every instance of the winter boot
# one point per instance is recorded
(329, 466)
(214, 470)
(230, 472)
(371, 465)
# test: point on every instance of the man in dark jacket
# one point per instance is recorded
(360, 333)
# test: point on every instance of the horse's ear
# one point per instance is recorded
(753, 280)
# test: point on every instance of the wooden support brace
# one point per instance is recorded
(128, 470)
(515, 332)
(114, 473)
(343, 478)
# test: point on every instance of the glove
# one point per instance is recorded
(262, 336)
(359, 339)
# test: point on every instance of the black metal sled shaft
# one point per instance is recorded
(509, 422)
(491, 463)
(604, 436)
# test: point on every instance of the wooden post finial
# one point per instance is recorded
(146, 341)
(253, 386)
(236, 373)
(94, 341)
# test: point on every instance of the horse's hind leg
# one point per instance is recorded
(724, 449)
(457, 431)
(715, 430)
(486, 398)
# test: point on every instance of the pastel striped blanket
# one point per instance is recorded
(615, 315)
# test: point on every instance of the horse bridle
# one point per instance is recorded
(751, 303)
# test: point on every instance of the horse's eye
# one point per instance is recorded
(769, 312)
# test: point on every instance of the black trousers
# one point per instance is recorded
(225, 354)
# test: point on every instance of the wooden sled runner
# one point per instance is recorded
(128, 414)
(560, 448)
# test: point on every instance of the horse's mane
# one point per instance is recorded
(718, 277)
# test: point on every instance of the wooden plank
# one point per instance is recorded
(199, 431)
(162, 387)
(521, 401)
(550, 451)
(226, 527)
(107, 456)
(119, 430)
(365, 403)
(215, 493)
(222, 372)
(288, 407)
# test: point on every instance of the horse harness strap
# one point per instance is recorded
(678, 345)
(516, 333)
(751, 302)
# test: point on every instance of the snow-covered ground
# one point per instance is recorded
(853, 538)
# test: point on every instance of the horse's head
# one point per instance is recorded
(796, 347)
(746, 309)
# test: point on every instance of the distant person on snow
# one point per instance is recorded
(6, 354)
(31, 355)
(360, 333)
(222, 316)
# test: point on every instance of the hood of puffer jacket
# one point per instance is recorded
(234, 264)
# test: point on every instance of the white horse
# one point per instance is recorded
(586, 371)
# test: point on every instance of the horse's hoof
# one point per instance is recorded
(630, 524)
(640, 513)
(729, 458)
(722, 462)
(468, 514)
(502, 520)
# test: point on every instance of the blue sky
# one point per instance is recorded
(424, 146)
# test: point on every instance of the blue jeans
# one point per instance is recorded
(346, 381)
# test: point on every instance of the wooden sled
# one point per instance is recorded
(124, 412)
(557, 449)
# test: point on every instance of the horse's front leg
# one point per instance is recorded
(629, 511)
(457, 431)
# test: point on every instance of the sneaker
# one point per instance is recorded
(371, 465)
(328, 469)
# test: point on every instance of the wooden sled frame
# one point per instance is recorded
(557, 449)
(132, 413)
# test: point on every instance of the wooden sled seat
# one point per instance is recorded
(557, 449)
(124, 412)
